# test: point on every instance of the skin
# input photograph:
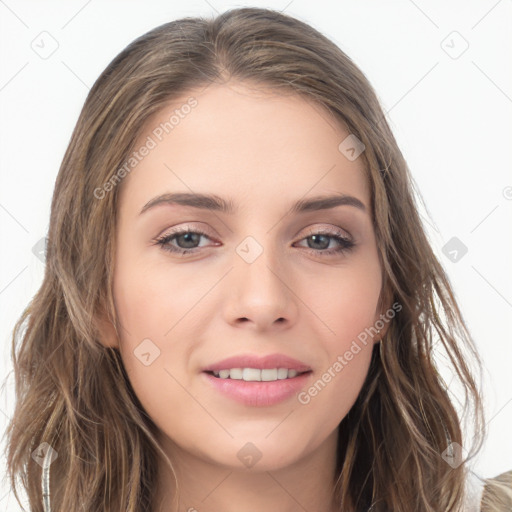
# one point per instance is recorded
(263, 151)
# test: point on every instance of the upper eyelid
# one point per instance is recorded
(311, 230)
(331, 230)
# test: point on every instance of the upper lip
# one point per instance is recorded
(262, 362)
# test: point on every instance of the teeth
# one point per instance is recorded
(234, 373)
(251, 374)
(282, 373)
(255, 374)
(268, 375)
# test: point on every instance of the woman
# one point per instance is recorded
(288, 364)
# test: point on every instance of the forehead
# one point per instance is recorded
(252, 144)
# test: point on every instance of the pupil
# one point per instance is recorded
(186, 236)
(316, 237)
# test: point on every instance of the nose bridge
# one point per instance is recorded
(258, 265)
(258, 283)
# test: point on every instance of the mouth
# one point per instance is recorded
(257, 374)
(257, 381)
(257, 387)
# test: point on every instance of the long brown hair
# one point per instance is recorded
(73, 393)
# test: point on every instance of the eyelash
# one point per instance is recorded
(345, 244)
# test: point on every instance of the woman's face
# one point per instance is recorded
(263, 278)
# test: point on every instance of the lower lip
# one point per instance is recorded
(258, 393)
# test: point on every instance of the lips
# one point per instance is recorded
(260, 362)
(256, 393)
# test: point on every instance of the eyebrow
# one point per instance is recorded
(215, 203)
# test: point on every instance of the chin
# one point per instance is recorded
(259, 454)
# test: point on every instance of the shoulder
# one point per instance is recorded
(496, 495)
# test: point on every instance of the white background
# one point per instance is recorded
(451, 117)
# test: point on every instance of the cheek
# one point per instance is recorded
(347, 352)
(147, 311)
(153, 302)
(347, 307)
(160, 316)
(335, 389)
(346, 303)
(152, 359)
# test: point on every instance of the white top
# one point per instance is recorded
(474, 491)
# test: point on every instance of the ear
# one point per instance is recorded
(106, 330)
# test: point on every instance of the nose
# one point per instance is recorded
(259, 295)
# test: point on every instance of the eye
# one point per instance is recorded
(187, 237)
(320, 241)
